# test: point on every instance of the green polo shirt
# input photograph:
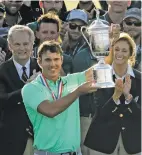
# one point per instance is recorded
(59, 134)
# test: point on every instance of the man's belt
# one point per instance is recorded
(37, 152)
(69, 153)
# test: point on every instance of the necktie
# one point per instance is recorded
(24, 75)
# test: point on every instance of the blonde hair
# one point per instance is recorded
(125, 37)
(20, 28)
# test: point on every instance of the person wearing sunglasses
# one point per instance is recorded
(73, 40)
(132, 26)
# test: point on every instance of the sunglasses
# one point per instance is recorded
(73, 26)
(137, 24)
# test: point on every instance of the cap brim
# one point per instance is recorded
(132, 16)
(79, 19)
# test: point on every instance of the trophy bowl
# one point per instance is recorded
(103, 74)
(98, 34)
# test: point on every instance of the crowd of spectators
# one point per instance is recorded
(26, 25)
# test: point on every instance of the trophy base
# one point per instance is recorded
(105, 84)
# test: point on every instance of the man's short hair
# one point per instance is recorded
(50, 17)
(20, 28)
(51, 46)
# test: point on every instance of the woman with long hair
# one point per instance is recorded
(116, 126)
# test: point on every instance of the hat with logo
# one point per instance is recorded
(133, 13)
(78, 14)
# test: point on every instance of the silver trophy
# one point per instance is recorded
(98, 34)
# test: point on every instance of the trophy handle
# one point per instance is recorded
(97, 14)
(89, 44)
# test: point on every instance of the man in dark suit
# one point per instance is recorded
(14, 73)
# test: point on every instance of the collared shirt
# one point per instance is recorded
(131, 73)
(59, 134)
(20, 70)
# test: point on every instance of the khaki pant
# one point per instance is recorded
(29, 150)
(119, 150)
(84, 124)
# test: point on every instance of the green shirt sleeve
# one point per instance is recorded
(76, 79)
(81, 78)
(33, 96)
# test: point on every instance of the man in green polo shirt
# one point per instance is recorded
(52, 103)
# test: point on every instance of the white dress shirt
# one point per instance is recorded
(20, 70)
(130, 72)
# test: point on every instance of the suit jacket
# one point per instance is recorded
(13, 117)
(110, 120)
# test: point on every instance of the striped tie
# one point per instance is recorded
(24, 75)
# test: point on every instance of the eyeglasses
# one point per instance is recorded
(73, 26)
(137, 24)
